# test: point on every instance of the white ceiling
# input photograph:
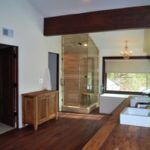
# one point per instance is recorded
(103, 40)
(49, 8)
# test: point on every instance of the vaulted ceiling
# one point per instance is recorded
(49, 8)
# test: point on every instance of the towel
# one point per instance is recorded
(47, 80)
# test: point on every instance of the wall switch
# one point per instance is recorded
(41, 81)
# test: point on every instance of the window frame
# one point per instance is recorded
(104, 74)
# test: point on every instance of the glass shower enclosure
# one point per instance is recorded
(80, 73)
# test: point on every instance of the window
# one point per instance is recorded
(126, 75)
(134, 82)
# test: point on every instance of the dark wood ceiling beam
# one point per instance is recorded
(115, 19)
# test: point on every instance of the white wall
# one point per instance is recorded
(27, 24)
(111, 43)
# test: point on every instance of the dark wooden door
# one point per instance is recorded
(8, 85)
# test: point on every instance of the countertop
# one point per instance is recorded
(114, 136)
(32, 94)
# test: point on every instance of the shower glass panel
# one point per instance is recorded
(80, 65)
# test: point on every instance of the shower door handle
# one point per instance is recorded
(62, 81)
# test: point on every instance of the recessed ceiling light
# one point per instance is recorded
(86, 1)
(85, 44)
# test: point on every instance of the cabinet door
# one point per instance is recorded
(28, 110)
(42, 102)
(52, 105)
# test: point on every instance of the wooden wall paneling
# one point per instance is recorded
(74, 68)
(77, 70)
(71, 77)
(125, 18)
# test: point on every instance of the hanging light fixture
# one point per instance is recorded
(126, 53)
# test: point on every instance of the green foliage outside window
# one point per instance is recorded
(134, 82)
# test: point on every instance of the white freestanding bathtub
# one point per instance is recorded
(109, 102)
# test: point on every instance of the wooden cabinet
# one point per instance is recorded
(39, 107)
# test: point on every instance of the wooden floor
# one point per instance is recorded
(95, 111)
(70, 132)
(116, 136)
(126, 137)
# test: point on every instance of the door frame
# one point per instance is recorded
(15, 48)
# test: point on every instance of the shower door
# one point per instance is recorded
(79, 74)
(71, 80)
(74, 73)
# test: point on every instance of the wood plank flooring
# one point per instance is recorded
(70, 132)
(116, 136)
(126, 137)
(103, 133)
